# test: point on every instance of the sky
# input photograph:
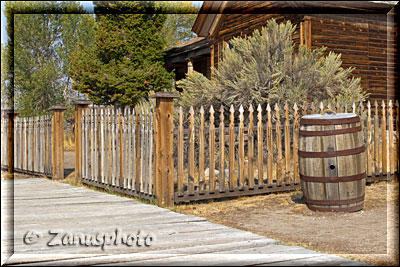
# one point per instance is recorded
(88, 5)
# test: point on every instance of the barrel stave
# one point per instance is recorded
(349, 165)
(329, 144)
(312, 166)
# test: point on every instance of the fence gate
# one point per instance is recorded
(38, 144)
(33, 145)
(117, 149)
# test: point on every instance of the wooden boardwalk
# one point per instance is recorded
(41, 205)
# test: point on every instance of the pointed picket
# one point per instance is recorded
(211, 144)
(232, 178)
(269, 146)
(221, 177)
(279, 160)
(250, 151)
(201, 151)
(260, 146)
(191, 152)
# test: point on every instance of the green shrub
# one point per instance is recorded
(264, 68)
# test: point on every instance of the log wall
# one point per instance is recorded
(366, 42)
(366, 45)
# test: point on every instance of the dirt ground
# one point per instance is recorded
(370, 235)
(366, 236)
(69, 162)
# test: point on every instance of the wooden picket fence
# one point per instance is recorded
(259, 155)
(37, 142)
(32, 145)
(4, 140)
(117, 149)
(221, 156)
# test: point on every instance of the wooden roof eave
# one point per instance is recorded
(185, 49)
(180, 58)
(210, 16)
(202, 16)
(179, 54)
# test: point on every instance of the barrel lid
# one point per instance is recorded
(329, 116)
(329, 119)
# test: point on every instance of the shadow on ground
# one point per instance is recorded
(68, 171)
(298, 198)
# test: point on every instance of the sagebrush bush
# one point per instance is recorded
(264, 68)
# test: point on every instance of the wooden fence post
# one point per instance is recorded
(58, 142)
(80, 106)
(164, 136)
(11, 113)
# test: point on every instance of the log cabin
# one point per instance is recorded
(195, 52)
(365, 33)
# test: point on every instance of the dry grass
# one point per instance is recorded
(72, 180)
(69, 141)
(375, 196)
(214, 207)
(6, 176)
(17, 176)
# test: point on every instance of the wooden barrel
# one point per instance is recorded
(332, 162)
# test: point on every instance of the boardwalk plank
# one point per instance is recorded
(179, 239)
(212, 260)
(210, 248)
